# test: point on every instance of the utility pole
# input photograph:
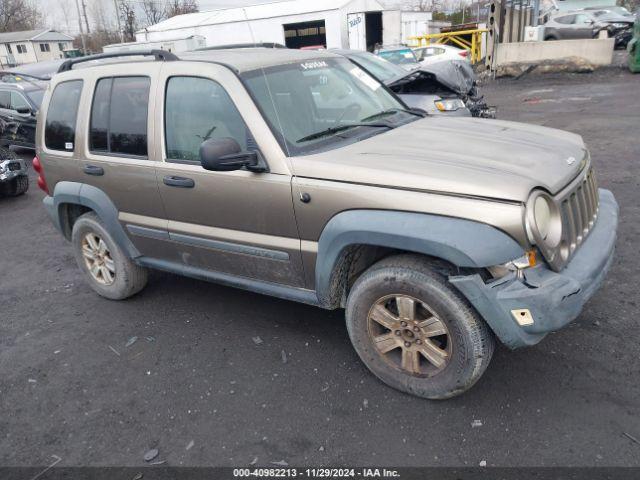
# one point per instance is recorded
(86, 20)
(115, 2)
(84, 43)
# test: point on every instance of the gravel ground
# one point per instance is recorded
(198, 388)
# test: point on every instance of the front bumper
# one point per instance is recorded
(553, 299)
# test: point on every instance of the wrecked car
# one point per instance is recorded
(589, 24)
(14, 179)
(297, 174)
(446, 87)
(20, 99)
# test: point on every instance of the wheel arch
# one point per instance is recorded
(353, 240)
(70, 200)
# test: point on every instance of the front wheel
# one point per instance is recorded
(414, 331)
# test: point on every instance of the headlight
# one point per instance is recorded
(544, 221)
(618, 25)
(449, 105)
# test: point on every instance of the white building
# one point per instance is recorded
(30, 46)
(176, 45)
(415, 24)
(358, 24)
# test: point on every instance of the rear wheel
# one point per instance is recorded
(414, 331)
(106, 267)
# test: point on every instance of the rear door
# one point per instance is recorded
(109, 149)
(583, 26)
(238, 222)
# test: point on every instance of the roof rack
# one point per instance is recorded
(243, 45)
(160, 56)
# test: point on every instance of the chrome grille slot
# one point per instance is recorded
(579, 207)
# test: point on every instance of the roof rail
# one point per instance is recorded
(160, 56)
(232, 46)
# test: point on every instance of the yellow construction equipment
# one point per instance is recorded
(468, 39)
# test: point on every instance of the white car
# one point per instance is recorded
(437, 53)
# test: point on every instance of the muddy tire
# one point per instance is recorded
(106, 267)
(415, 331)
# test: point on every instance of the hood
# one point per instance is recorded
(463, 156)
(456, 75)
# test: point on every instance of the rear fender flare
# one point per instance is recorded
(98, 201)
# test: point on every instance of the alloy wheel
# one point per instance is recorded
(97, 258)
(409, 336)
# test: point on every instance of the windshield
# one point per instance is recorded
(36, 97)
(403, 56)
(310, 105)
(379, 67)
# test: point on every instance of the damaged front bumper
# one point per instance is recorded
(10, 169)
(522, 311)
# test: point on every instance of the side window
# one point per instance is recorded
(18, 101)
(119, 116)
(197, 109)
(567, 19)
(5, 99)
(60, 126)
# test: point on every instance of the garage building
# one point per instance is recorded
(357, 24)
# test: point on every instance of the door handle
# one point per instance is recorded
(93, 170)
(180, 182)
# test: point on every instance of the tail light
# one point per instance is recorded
(42, 183)
(463, 53)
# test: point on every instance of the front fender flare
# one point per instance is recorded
(461, 242)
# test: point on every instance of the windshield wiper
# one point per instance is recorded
(340, 128)
(391, 111)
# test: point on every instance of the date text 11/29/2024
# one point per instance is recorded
(268, 473)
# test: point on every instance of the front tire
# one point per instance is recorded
(415, 331)
(106, 267)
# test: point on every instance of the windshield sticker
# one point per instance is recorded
(408, 55)
(364, 78)
(314, 65)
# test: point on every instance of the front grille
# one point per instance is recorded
(13, 166)
(579, 209)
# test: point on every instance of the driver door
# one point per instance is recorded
(238, 222)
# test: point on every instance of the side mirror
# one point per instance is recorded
(225, 155)
(23, 110)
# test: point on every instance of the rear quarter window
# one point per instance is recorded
(60, 126)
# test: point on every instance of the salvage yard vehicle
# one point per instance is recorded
(20, 99)
(588, 24)
(426, 93)
(439, 53)
(298, 175)
(447, 88)
(14, 179)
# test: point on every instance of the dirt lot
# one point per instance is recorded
(197, 387)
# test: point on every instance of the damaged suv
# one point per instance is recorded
(296, 174)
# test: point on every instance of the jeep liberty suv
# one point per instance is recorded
(296, 174)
